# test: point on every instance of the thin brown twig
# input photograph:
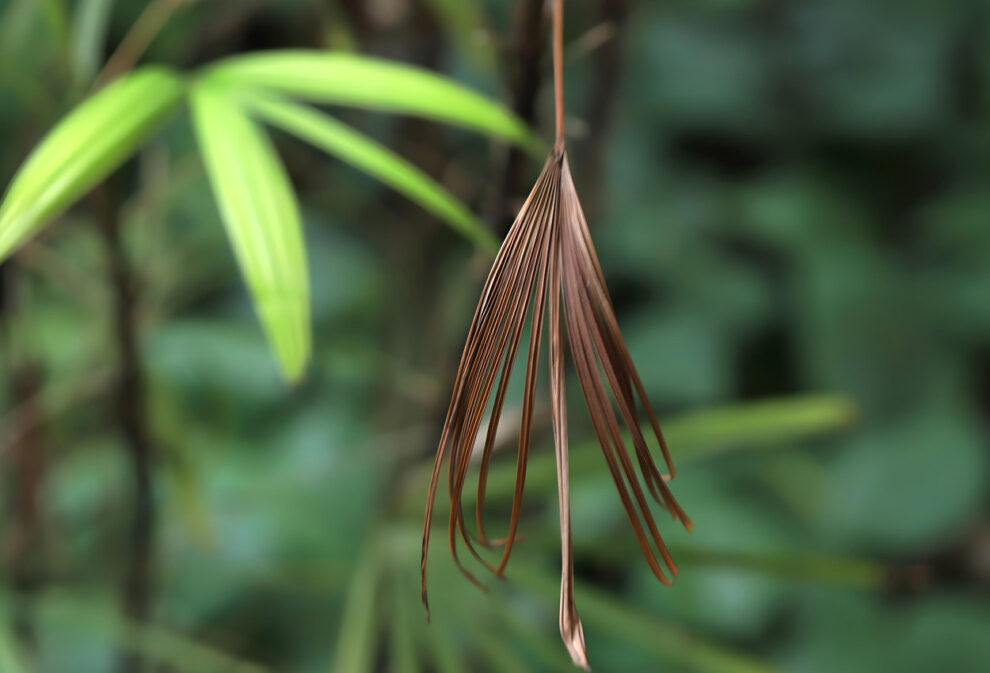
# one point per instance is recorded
(137, 40)
(54, 403)
(558, 72)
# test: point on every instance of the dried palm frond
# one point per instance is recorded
(547, 266)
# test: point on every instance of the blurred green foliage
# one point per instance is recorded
(792, 217)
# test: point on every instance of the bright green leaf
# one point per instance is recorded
(93, 140)
(262, 220)
(336, 138)
(350, 79)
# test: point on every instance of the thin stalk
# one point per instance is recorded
(558, 72)
(137, 40)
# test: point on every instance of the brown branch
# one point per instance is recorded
(137, 40)
(131, 417)
(27, 459)
(525, 75)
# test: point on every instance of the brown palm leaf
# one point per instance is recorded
(547, 265)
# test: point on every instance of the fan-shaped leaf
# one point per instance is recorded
(262, 219)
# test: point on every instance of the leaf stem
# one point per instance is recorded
(558, 71)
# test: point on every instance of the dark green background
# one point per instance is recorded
(788, 197)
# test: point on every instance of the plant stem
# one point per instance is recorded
(558, 71)
(131, 417)
(137, 40)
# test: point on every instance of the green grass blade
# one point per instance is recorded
(336, 138)
(262, 220)
(666, 641)
(89, 32)
(83, 148)
(694, 436)
(355, 652)
(95, 616)
(763, 424)
(350, 79)
(405, 622)
(12, 656)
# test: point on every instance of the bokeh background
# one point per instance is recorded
(790, 200)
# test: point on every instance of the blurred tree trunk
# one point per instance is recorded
(413, 34)
(26, 457)
(130, 411)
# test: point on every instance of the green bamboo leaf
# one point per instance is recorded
(97, 617)
(356, 640)
(350, 79)
(338, 139)
(261, 216)
(667, 641)
(404, 653)
(763, 424)
(694, 436)
(12, 656)
(83, 148)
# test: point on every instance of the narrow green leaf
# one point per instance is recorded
(89, 32)
(356, 639)
(83, 148)
(666, 641)
(338, 139)
(262, 220)
(404, 653)
(764, 424)
(93, 615)
(794, 565)
(350, 79)
(694, 436)
(12, 656)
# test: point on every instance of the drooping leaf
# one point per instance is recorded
(338, 139)
(83, 148)
(262, 220)
(350, 79)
